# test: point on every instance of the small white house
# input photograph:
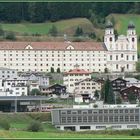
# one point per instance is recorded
(13, 87)
(33, 85)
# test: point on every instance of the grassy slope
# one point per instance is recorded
(20, 121)
(47, 134)
(122, 21)
(63, 26)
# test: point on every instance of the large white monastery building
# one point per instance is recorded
(115, 54)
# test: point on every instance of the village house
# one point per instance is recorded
(7, 73)
(13, 87)
(73, 76)
(133, 90)
(87, 87)
(56, 89)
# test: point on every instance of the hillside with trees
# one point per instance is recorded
(43, 12)
(44, 21)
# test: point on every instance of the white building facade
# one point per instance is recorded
(73, 76)
(115, 54)
(121, 51)
(41, 78)
(7, 73)
(87, 86)
(13, 87)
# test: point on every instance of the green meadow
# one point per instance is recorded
(20, 121)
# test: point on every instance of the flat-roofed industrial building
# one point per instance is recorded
(78, 119)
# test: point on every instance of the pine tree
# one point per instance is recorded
(53, 31)
(107, 92)
(110, 97)
(118, 100)
(132, 97)
(1, 31)
(96, 95)
(79, 31)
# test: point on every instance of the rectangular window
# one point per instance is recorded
(121, 119)
(131, 126)
(63, 112)
(116, 119)
(100, 127)
(105, 111)
(80, 119)
(105, 118)
(110, 118)
(133, 57)
(85, 119)
(116, 126)
(100, 118)
(63, 119)
(127, 57)
(121, 111)
(85, 127)
(95, 118)
(131, 118)
(69, 119)
(126, 119)
(136, 118)
(74, 119)
(68, 112)
(116, 57)
(110, 57)
(89, 118)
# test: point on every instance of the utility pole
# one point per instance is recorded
(16, 104)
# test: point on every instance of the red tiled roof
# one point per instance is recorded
(77, 71)
(95, 46)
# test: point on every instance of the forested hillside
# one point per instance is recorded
(42, 21)
(42, 12)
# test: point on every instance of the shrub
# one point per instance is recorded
(53, 31)
(95, 106)
(78, 31)
(35, 91)
(135, 132)
(4, 124)
(35, 126)
(10, 36)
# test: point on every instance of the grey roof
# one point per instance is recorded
(26, 74)
(23, 98)
(132, 80)
(15, 79)
(4, 68)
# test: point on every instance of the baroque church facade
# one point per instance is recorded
(121, 51)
